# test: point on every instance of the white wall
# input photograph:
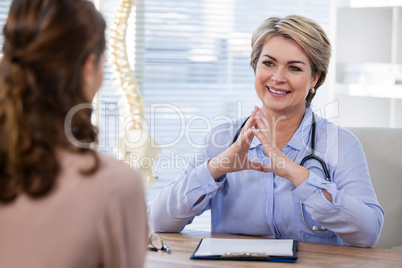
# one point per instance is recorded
(364, 35)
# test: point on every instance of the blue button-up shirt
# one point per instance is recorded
(264, 204)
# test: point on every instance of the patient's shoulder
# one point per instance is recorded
(112, 175)
(118, 175)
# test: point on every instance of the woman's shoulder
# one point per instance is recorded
(334, 131)
(334, 142)
(111, 177)
(110, 164)
(118, 175)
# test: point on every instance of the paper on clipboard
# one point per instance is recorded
(222, 246)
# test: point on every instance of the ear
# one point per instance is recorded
(89, 71)
(315, 79)
(89, 77)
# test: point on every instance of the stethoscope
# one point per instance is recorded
(309, 157)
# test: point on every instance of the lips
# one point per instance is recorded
(277, 91)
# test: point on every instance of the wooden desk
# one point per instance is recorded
(310, 254)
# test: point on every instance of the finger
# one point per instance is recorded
(255, 166)
(263, 117)
(250, 122)
(246, 138)
(263, 139)
(261, 125)
(267, 168)
(252, 117)
(255, 109)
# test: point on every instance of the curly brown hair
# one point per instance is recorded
(46, 43)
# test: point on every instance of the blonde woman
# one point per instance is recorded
(283, 172)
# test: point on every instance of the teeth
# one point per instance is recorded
(278, 92)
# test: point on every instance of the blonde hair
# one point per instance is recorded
(306, 33)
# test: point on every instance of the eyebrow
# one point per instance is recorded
(289, 62)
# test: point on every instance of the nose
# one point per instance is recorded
(278, 76)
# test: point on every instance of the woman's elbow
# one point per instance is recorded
(368, 237)
(161, 224)
(161, 227)
(155, 221)
(367, 242)
(370, 233)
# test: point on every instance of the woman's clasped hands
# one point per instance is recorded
(236, 157)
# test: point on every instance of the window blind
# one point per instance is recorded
(4, 7)
(191, 61)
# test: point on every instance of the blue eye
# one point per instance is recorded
(295, 69)
(268, 63)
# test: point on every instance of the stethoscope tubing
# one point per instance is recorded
(312, 156)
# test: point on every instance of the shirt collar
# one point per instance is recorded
(301, 136)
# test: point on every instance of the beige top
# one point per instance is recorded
(93, 221)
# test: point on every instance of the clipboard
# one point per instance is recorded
(276, 250)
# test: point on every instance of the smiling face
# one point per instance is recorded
(283, 77)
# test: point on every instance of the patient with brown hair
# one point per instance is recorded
(62, 204)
